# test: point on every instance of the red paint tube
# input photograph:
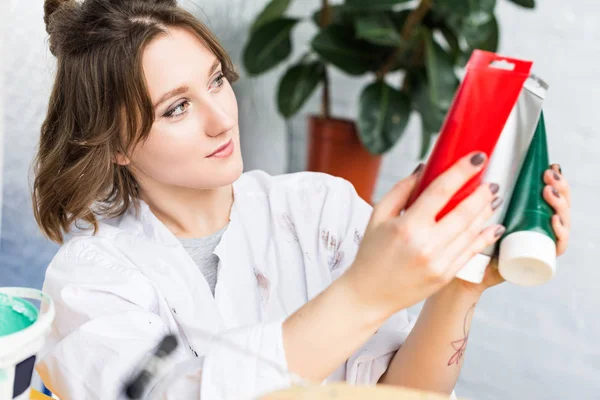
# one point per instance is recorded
(476, 118)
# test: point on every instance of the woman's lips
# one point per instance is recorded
(224, 151)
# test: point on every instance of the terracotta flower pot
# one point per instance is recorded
(334, 148)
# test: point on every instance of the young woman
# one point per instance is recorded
(139, 164)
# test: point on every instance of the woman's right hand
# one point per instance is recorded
(403, 259)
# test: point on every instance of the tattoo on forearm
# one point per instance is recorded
(461, 345)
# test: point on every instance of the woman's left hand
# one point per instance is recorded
(558, 194)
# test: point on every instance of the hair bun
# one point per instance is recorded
(50, 7)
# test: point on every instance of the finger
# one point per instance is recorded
(444, 187)
(470, 215)
(556, 180)
(395, 200)
(559, 204)
(487, 237)
(557, 168)
(562, 235)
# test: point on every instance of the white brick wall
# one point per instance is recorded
(537, 343)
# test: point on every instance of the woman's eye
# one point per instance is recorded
(219, 80)
(178, 110)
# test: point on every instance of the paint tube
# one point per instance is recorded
(476, 118)
(527, 253)
(506, 162)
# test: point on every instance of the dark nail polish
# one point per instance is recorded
(478, 159)
(500, 231)
(555, 175)
(555, 193)
(557, 166)
(497, 203)
(494, 187)
(418, 169)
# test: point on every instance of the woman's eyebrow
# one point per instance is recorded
(183, 89)
(214, 67)
(171, 93)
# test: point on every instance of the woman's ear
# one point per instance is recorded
(122, 159)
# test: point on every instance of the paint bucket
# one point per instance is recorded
(23, 330)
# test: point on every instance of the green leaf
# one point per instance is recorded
(453, 7)
(339, 15)
(440, 71)
(455, 23)
(377, 28)
(452, 40)
(406, 57)
(486, 6)
(273, 10)
(464, 57)
(296, 86)
(383, 115)
(269, 45)
(432, 116)
(463, 7)
(524, 3)
(481, 32)
(399, 18)
(374, 4)
(337, 45)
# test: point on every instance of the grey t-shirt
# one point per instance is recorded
(201, 250)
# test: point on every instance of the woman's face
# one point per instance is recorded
(195, 114)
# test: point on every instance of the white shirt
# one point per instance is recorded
(118, 292)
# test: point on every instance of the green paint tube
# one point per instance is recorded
(528, 249)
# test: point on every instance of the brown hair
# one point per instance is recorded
(98, 45)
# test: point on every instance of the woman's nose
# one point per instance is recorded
(217, 118)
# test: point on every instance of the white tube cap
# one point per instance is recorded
(474, 270)
(527, 258)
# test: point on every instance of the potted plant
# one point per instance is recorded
(427, 40)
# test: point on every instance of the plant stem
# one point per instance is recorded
(325, 102)
(414, 18)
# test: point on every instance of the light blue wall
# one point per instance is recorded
(538, 343)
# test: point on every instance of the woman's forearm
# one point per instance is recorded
(432, 356)
(323, 333)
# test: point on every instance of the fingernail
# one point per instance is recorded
(555, 193)
(557, 166)
(494, 187)
(555, 175)
(478, 159)
(418, 169)
(561, 221)
(500, 231)
(497, 202)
